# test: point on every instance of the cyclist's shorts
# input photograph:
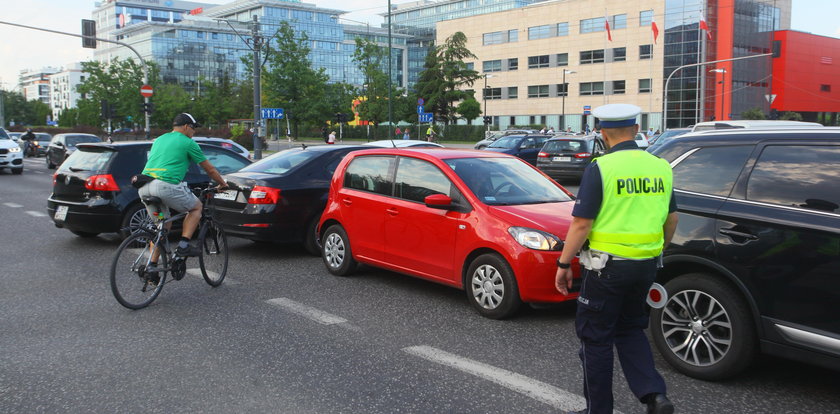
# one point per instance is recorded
(175, 196)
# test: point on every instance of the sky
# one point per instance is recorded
(29, 49)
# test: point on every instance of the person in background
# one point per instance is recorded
(397, 133)
(550, 130)
(542, 131)
(331, 138)
(627, 212)
(406, 134)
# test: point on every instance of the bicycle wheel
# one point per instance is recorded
(131, 285)
(214, 253)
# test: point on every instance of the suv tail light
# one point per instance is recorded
(583, 155)
(102, 182)
(264, 195)
(542, 154)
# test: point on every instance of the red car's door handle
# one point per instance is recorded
(392, 211)
(347, 201)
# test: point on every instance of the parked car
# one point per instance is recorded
(11, 156)
(754, 263)
(15, 136)
(92, 192)
(225, 143)
(404, 143)
(667, 136)
(763, 124)
(280, 198)
(568, 156)
(494, 135)
(523, 146)
(641, 140)
(63, 145)
(484, 222)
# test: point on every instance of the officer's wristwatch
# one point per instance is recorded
(563, 265)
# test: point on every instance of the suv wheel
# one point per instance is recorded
(491, 287)
(705, 330)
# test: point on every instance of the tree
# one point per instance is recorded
(374, 106)
(24, 112)
(290, 81)
(119, 83)
(445, 77)
(469, 109)
(754, 113)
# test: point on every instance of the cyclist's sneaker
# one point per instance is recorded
(153, 275)
(191, 250)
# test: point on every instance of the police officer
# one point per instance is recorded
(626, 210)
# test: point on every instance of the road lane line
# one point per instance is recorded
(12, 205)
(308, 312)
(36, 214)
(540, 391)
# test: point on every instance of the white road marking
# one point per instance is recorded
(309, 312)
(540, 391)
(36, 214)
(12, 205)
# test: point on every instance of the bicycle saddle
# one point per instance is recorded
(151, 200)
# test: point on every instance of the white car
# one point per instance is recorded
(11, 156)
(403, 143)
(225, 143)
(641, 140)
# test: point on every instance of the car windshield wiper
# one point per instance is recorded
(76, 169)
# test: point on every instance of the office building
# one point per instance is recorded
(526, 52)
(63, 85)
(35, 84)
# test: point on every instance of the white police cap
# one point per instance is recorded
(617, 115)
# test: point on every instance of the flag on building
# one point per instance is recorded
(654, 29)
(607, 27)
(704, 26)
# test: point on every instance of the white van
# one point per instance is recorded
(762, 124)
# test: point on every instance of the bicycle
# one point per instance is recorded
(135, 288)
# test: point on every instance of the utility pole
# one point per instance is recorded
(390, 103)
(257, 40)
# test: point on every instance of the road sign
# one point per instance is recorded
(587, 109)
(770, 98)
(425, 117)
(147, 91)
(420, 101)
(420, 109)
(272, 113)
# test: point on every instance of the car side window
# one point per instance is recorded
(417, 179)
(527, 143)
(224, 162)
(692, 173)
(797, 175)
(370, 173)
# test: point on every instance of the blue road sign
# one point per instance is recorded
(420, 101)
(425, 117)
(272, 113)
(420, 109)
(586, 109)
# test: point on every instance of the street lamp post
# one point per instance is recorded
(484, 95)
(722, 91)
(565, 92)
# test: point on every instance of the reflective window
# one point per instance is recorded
(591, 56)
(562, 89)
(370, 173)
(645, 51)
(562, 59)
(619, 54)
(513, 64)
(538, 91)
(513, 92)
(223, 160)
(644, 85)
(493, 38)
(692, 173)
(591, 88)
(535, 62)
(618, 87)
(492, 93)
(492, 65)
(539, 32)
(799, 176)
(417, 179)
(506, 181)
(513, 35)
(563, 29)
(645, 17)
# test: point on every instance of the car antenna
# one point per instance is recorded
(393, 143)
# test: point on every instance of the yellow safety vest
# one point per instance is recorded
(636, 195)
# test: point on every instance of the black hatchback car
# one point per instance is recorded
(522, 146)
(92, 192)
(568, 156)
(755, 261)
(280, 198)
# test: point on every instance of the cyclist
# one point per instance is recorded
(167, 163)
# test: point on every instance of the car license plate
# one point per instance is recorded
(562, 159)
(61, 213)
(226, 195)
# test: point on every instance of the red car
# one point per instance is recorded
(481, 221)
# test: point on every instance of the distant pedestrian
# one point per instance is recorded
(331, 138)
(550, 130)
(325, 133)
(405, 134)
(397, 132)
(542, 131)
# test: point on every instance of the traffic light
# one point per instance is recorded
(148, 107)
(488, 120)
(106, 109)
(89, 31)
(337, 117)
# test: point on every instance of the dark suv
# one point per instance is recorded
(755, 261)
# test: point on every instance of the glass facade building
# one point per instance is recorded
(418, 20)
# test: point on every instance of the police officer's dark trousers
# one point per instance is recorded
(611, 312)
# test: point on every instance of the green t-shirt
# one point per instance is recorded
(170, 157)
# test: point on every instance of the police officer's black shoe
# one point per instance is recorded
(659, 404)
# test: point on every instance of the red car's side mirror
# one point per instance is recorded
(438, 201)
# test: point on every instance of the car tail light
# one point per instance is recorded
(102, 182)
(264, 195)
(542, 154)
(583, 155)
(54, 175)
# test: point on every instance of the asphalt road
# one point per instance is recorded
(283, 335)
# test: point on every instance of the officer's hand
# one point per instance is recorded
(563, 280)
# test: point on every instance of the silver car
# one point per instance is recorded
(494, 135)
